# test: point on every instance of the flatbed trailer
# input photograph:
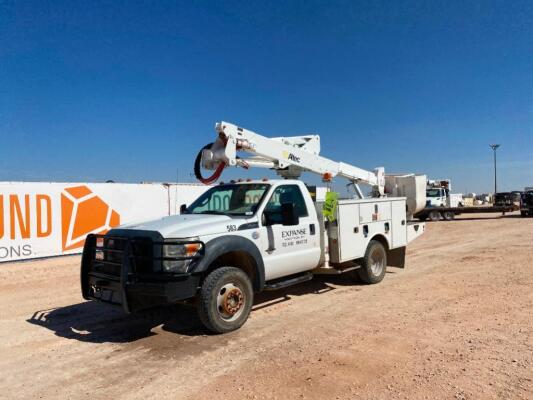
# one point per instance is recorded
(449, 213)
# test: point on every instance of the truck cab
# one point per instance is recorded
(436, 197)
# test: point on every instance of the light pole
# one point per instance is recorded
(494, 148)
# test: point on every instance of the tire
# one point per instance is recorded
(523, 213)
(448, 215)
(374, 263)
(434, 216)
(225, 300)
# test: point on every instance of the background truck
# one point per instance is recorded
(443, 205)
(507, 198)
(244, 237)
(526, 202)
(438, 194)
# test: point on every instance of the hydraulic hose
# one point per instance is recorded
(198, 171)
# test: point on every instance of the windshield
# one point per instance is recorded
(232, 199)
(433, 193)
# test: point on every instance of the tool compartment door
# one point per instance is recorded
(351, 240)
(399, 224)
(374, 211)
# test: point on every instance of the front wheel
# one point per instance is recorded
(226, 298)
(523, 213)
(374, 264)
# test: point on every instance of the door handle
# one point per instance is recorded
(312, 229)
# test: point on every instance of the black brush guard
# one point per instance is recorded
(129, 274)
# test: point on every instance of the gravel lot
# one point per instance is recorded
(456, 323)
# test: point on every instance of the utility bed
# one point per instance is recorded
(360, 220)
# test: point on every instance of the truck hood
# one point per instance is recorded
(186, 225)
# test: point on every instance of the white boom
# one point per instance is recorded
(288, 156)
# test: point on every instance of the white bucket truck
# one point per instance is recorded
(243, 237)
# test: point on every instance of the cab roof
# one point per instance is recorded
(258, 181)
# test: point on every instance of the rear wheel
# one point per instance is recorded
(226, 298)
(523, 213)
(434, 216)
(448, 215)
(374, 264)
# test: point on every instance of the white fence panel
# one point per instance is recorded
(39, 219)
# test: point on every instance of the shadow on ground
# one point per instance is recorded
(94, 322)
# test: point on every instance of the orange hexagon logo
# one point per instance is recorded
(82, 213)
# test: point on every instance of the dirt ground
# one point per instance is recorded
(456, 323)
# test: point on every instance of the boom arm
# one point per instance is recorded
(289, 156)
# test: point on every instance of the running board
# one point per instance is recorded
(289, 282)
(333, 271)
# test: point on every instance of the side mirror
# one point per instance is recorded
(288, 215)
(183, 208)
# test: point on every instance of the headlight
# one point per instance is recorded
(188, 250)
(181, 250)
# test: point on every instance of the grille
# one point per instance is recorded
(143, 253)
(110, 253)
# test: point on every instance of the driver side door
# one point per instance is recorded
(291, 249)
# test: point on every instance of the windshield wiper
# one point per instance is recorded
(211, 212)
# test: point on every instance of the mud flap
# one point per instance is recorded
(396, 257)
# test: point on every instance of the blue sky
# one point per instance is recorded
(130, 91)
